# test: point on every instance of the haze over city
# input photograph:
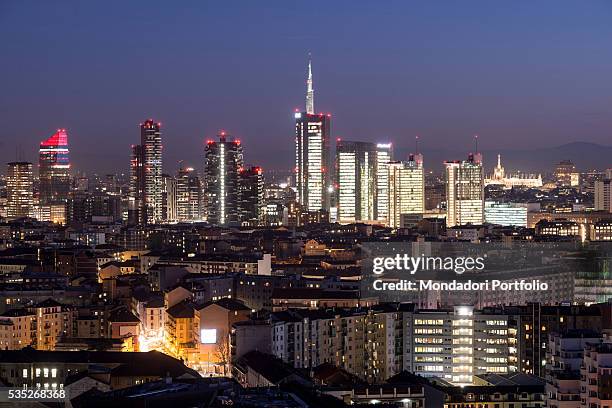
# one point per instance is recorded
(521, 75)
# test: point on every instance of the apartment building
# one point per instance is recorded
(17, 329)
(596, 376)
(457, 344)
(564, 357)
(53, 321)
(380, 341)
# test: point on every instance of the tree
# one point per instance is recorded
(222, 351)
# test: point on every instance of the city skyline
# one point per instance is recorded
(325, 205)
(419, 88)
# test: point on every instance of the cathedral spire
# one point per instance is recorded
(309, 90)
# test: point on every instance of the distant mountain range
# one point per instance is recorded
(586, 156)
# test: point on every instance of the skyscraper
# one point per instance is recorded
(384, 155)
(251, 196)
(406, 191)
(188, 195)
(146, 188)
(19, 189)
(312, 154)
(150, 140)
(356, 168)
(54, 169)
(169, 195)
(223, 162)
(136, 193)
(464, 191)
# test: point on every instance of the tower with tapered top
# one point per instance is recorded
(312, 153)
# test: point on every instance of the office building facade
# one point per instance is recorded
(384, 155)
(54, 169)
(356, 181)
(20, 189)
(464, 191)
(223, 163)
(251, 196)
(406, 197)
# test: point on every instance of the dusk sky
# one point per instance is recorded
(520, 74)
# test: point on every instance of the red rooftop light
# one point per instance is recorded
(59, 138)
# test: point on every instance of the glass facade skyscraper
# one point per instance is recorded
(224, 162)
(464, 191)
(384, 155)
(146, 181)
(406, 191)
(54, 169)
(356, 180)
(312, 155)
(19, 189)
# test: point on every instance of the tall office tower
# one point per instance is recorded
(169, 198)
(603, 195)
(19, 189)
(223, 164)
(150, 140)
(312, 155)
(188, 195)
(356, 181)
(464, 191)
(146, 181)
(406, 191)
(54, 169)
(136, 189)
(566, 174)
(251, 196)
(384, 155)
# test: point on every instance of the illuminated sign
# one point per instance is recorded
(208, 336)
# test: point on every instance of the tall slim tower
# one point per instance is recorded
(312, 154)
(54, 169)
(464, 191)
(356, 181)
(384, 155)
(20, 189)
(136, 188)
(223, 164)
(150, 140)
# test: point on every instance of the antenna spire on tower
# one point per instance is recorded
(309, 88)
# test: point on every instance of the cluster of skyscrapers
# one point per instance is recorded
(362, 182)
(228, 194)
(54, 176)
(367, 185)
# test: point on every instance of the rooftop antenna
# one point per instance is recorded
(416, 144)
(476, 142)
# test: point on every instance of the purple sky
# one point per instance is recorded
(520, 74)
